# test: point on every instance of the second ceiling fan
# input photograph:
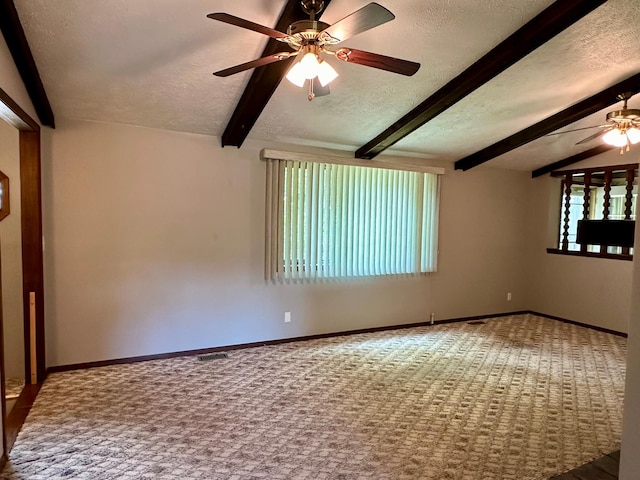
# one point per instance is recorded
(311, 38)
(622, 127)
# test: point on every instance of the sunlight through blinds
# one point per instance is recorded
(327, 221)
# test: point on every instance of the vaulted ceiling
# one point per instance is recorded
(150, 63)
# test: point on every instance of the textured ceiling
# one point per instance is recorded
(149, 63)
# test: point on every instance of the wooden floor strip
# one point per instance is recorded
(603, 468)
(19, 412)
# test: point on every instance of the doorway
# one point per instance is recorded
(24, 256)
(15, 371)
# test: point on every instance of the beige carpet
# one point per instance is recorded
(515, 398)
(13, 387)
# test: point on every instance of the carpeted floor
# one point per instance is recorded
(514, 398)
(13, 387)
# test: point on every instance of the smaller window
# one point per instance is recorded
(597, 212)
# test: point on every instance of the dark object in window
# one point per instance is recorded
(598, 211)
(614, 233)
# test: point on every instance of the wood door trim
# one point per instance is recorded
(16, 116)
(32, 255)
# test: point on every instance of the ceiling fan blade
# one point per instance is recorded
(253, 64)
(241, 22)
(375, 60)
(366, 18)
(593, 137)
(577, 129)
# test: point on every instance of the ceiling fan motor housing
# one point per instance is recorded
(312, 7)
(624, 115)
(306, 26)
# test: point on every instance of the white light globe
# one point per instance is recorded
(327, 74)
(615, 138)
(310, 65)
(296, 75)
(634, 135)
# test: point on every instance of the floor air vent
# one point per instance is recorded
(476, 322)
(212, 356)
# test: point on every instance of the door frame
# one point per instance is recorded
(32, 239)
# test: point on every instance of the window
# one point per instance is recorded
(335, 220)
(597, 212)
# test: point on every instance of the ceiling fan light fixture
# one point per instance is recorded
(309, 68)
(310, 65)
(309, 39)
(327, 74)
(634, 135)
(615, 137)
(296, 75)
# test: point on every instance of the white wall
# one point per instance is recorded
(11, 251)
(155, 243)
(482, 243)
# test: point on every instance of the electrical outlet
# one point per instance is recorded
(508, 296)
(432, 317)
(287, 317)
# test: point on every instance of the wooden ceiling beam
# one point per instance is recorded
(264, 80)
(588, 106)
(19, 47)
(549, 23)
(592, 152)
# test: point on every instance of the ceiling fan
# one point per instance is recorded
(311, 38)
(622, 127)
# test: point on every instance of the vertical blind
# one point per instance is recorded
(332, 221)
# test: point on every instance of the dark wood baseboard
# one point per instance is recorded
(19, 413)
(202, 351)
(580, 324)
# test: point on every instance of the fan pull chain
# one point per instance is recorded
(628, 145)
(311, 95)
